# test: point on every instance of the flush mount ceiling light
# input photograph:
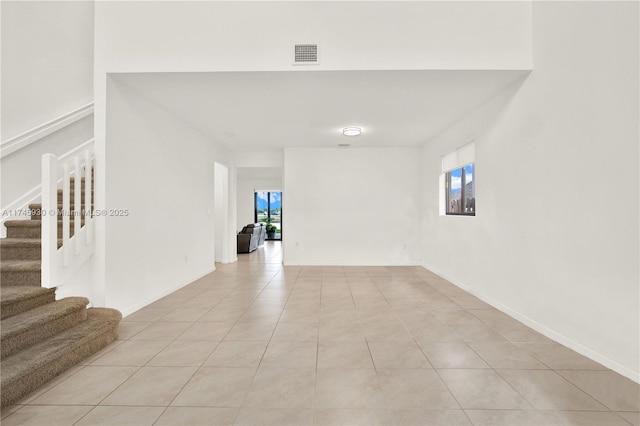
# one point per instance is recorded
(351, 131)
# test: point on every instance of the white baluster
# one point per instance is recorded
(49, 245)
(87, 194)
(59, 265)
(66, 207)
(77, 211)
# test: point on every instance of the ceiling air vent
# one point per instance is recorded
(306, 54)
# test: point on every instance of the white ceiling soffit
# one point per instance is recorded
(260, 173)
(243, 110)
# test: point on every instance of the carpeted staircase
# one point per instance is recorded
(41, 337)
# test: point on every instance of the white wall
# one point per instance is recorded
(220, 210)
(46, 74)
(21, 170)
(356, 206)
(231, 253)
(47, 61)
(555, 239)
(163, 172)
(210, 36)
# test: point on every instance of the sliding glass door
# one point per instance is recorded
(268, 210)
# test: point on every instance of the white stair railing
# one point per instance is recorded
(60, 263)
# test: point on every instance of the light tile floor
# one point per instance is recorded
(259, 343)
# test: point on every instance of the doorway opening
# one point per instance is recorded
(268, 210)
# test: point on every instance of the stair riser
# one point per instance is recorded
(17, 278)
(36, 334)
(72, 182)
(23, 232)
(36, 216)
(60, 219)
(72, 200)
(82, 179)
(73, 191)
(36, 212)
(33, 232)
(21, 253)
(20, 306)
(35, 208)
(14, 390)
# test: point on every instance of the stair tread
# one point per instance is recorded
(72, 187)
(18, 365)
(38, 219)
(26, 223)
(20, 265)
(95, 317)
(20, 242)
(36, 206)
(10, 295)
(32, 228)
(41, 315)
(19, 299)
(36, 222)
(72, 191)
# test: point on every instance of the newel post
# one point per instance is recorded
(49, 216)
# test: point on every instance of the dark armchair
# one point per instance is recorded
(251, 237)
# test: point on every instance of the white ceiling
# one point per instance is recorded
(243, 110)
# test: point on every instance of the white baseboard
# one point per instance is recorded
(550, 333)
(285, 263)
(165, 292)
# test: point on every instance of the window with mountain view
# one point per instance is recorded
(268, 209)
(460, 191)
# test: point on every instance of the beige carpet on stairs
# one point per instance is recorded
(41, 337)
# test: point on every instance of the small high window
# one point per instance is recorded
(460, 191)
(458, 183)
